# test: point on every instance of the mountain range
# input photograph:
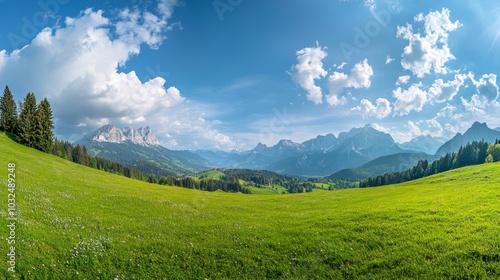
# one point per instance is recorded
(477, 132)
(360, 152)
(381, 165)
(424, 143)
(143, 136)
(140, 149)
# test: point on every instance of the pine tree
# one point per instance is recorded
(27, 121)
(78, 156)
(8, 117)
(43, 127)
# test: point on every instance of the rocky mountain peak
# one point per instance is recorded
(143, 136)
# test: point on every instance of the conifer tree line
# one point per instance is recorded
(79, 154)
(471, 154)
(31, 123)
(226, 183)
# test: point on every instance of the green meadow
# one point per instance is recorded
(79, 223)
(210, 175)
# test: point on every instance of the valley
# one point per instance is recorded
(353, 155)
(230, 139)
(78, 222)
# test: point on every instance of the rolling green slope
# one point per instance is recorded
(382, 165)
(79, 223)
(156, 160)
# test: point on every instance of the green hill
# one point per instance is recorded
(150, 160)
(210, 174)
(78, 223)
(382, 165)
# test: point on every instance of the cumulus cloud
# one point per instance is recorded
(428, 52)
(486, 85)
(446, 123)
(412, 99)
(308, 69)
(334, 100)
(183, 122)
(76, 65)
(358, 78)
(413, 129)
(442, 92)
(424, 127)
(403, 80)
(476, 105)
(380, 110)
(431, 127)
(448, 112)
(487, 93)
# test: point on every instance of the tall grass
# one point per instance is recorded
(79, 223)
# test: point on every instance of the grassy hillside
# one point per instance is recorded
(381, 165)
(80, 223)
(210, 174)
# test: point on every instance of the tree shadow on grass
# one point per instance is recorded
(11, 136)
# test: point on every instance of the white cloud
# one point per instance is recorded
(334, 100)
(429, 52)
(358, 78)
(431, 127)
(371, 5)
(381, 110)
(379, 127)
(184, 122)
(405, 132)
(166, 7)
(413, 129)
(446, 123)
(412, 99)
(441, 91)
(486, 95)
(448, 113)
(388, 60)
(309, 68)
(476, 105)
(341, 66)
(403, 80)
(76, 66)
(486, 86)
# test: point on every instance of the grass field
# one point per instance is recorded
(79, 223)
(256, 190)
(210, 174)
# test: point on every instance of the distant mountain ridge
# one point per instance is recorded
(352, 149)
(381, 165)
(143, 136)
(423, 143)
(321, 156)
(140, 149)
(477, 132)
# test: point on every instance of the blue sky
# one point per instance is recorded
(228, 74)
